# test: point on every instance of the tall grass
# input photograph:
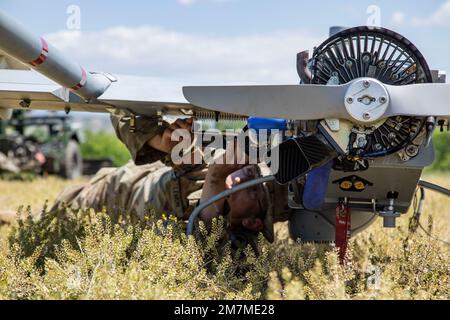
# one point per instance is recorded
(89, 255)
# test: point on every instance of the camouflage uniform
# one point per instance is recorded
(147, 183)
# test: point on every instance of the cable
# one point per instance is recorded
(433, 237)
(217, 197)
(434, 187)
(418, 209)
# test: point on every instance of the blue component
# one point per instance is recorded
(316, 187)
(266, 123)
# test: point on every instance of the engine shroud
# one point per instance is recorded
(383, 55)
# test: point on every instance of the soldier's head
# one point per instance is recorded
(248, 209)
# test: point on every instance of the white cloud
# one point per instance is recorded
(186, 2)
(191, 59)
(398, 18)
(191, 2)
(440, 18)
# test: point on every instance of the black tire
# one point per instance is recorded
(72, 166)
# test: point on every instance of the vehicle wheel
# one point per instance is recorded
(72, 166)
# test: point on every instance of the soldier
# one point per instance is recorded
(152, 181)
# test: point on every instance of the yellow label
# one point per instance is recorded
(359, 185)
(346, 185)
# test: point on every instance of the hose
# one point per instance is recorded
(434, 187)
(217, 197)
(418, 207)
(431, 186)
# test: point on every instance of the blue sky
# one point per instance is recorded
(220, 41)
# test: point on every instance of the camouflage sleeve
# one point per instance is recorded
(136, 142)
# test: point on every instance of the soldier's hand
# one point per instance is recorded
(164, 141)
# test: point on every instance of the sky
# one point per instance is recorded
(220, 41)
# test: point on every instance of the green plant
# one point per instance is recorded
(441, 142)
(102, 144)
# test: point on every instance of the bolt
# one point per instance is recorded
(383, 100)
(392, 136)
(366, 116)
(350, 100)
(412, 150)
(362, 142)
(366, 83)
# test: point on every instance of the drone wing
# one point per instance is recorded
(28, 89)
(139, 95)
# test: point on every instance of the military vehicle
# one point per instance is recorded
(42, 144)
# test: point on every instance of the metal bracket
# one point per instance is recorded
(389, 214)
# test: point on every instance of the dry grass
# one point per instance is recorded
(86, 256)
(14, 194)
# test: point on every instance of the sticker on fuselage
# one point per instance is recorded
(353, 184)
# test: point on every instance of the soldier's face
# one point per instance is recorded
(246, 206)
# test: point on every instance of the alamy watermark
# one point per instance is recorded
(73, 21)
(374, 16)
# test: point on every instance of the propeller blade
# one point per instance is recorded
(428, 99)
(299, 102)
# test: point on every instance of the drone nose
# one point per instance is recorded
(366, 100)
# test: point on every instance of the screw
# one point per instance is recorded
(366, 116)
(412, 150)
(350, 100)
(392, 136)
(366, 83)
(383, 100)
(362, 142)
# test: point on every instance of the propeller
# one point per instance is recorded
(364, 100)
(426, 99)
(300, 102)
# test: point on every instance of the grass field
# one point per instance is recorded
(87, 256)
